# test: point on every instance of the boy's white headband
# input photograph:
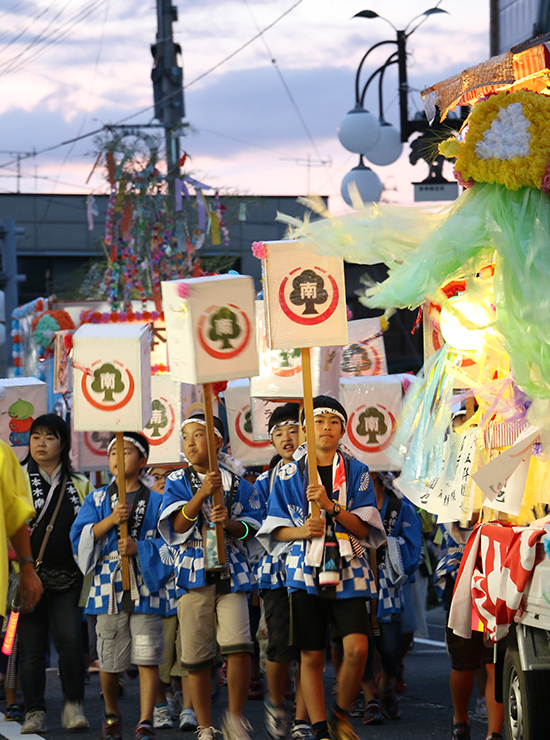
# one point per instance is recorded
(327, 410)
(286, 423)
(137, 444)
(202, 422)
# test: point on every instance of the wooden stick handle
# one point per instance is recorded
(213, 464)
(121, 485)
(310, 425)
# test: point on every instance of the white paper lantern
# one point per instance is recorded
(389, 147)
(369, 185)
(359, 131)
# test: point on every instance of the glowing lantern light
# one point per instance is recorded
(465, 323)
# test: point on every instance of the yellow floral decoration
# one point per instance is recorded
(506, 140)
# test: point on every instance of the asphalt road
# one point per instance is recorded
(426, 710)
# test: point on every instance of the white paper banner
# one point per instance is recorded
(239, 419)
(21, 401)
(361, 357)
(163, 431)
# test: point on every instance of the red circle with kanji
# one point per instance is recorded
(372, 448)
(105, 405)
(165, 437)
(309, 294)
(224, 326)
(242, 435)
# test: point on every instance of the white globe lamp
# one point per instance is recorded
(359, 131)
(368, 184)
(389, 147)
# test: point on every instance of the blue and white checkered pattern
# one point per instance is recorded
(391, 600)
(153, 565)
(450, 557)
(189, 559)
(270, 570)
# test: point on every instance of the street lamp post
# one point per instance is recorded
(377, 140)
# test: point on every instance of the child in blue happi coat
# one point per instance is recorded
(212, 599)
(283, 427)
(129, 626)
(350, 522)
(397, 561)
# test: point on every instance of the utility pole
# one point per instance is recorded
(167, 78)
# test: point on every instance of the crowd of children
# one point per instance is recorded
(328, 556)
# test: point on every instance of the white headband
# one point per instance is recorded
(202, 422)
(137, 444)
(287, 423)
(327, 410)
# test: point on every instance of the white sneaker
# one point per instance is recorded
(481, 708)
(206, 733)
(161, 717)
(276, 720)
(72, 716)
(35, 723)
(235, 727)
(188, 720)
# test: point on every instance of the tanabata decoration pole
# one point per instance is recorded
(112, 390)
(121, 485)
(213, 465)
(210, 335)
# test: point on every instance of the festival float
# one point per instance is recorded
(478, 272)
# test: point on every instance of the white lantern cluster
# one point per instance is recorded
(380, 142)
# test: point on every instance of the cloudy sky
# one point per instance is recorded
(69, 66)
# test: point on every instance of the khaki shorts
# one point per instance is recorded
(171, 659)
(205, 616)
(124, 638)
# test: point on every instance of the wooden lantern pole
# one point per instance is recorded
(310, 425)
(213, 465)
(121, 485)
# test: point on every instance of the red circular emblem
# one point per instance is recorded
(107, 385)
(378, 439)
(99, 447)
(309, 296)
(244, 435)
(223, 331)
(171, 424)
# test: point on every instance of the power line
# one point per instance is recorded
(84, 14)
(167, 97)
(33, 21)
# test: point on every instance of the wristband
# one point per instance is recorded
(26, 559)
(185, 515)
(245, 535)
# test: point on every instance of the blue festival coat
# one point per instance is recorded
(285, 508)
(406, 542)
(154, 563)
(270, 569)
(189, 563)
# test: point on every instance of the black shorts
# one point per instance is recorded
(277, 618)
(467, 654)
(312, 615)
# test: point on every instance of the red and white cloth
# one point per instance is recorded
(493, 575)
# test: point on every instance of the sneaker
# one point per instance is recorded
(144, 731)
(188, 720)
(373, 714)
(481, 708)
(177, 704)
(72, 716)
(35, 723)
(206, 733)
(357, 709)
(255, 689)
(495, 736)
(340, 728)
(235, 727)
(276, 720)
(301, 731)
(162, 719)
(461, 731)
(14, 713)
(111, 727)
